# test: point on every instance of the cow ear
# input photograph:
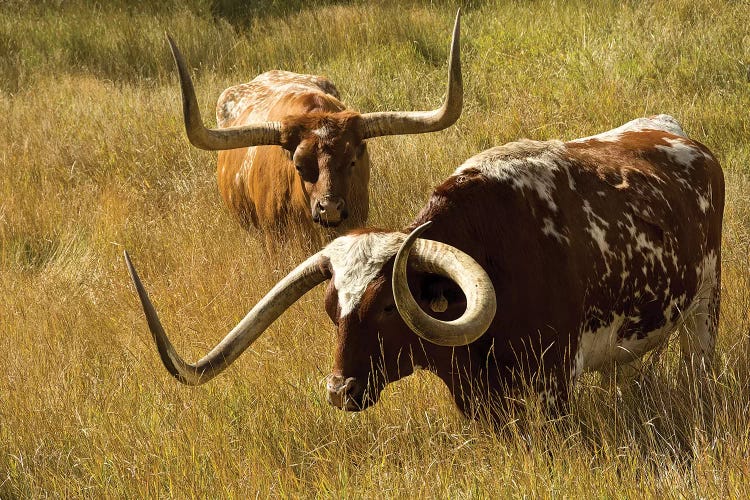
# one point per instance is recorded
(290, 146)
(441, 297)
(290, 138)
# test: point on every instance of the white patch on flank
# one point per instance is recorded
(597, 350)
(356, 260)
(550, 230)
(649, 250)
(625, 275)
(658, 122)
(680, 152)
(706, 274)
(597, 228)
(703, 203)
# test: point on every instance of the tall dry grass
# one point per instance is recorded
(93, 160)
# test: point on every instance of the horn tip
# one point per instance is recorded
(133, 273)
(173, 47)
(128, 262)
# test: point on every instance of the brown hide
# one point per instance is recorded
(261, 185)
(597, 249)
(581, 240)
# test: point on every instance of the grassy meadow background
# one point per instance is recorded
(94, 160)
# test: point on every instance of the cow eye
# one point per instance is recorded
(389, 308)
(307, 173)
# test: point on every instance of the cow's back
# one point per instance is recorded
(652, 214)
(611, 236)
(254, 101)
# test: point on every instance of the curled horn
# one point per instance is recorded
(445, 260)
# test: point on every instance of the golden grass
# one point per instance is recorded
(93, 160)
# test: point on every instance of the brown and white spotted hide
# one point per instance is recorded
(320, 174)
(598, 249)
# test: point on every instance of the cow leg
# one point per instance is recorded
(554, 397)
(697, 343)
(618, 374)
(698, 332)
(553, 389)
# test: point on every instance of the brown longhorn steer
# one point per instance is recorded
(594, 250)
(291, 153)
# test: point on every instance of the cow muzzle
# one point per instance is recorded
(330, 211)
(347, 393)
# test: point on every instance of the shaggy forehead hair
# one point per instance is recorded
(355, 260)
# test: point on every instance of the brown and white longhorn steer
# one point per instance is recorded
(292, 154)
(592, 252)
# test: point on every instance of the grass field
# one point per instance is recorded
(93, 160)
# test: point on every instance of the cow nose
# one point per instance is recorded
(330, 210)
(343, 392)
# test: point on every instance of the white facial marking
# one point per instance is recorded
(356, 260)
(322, 132)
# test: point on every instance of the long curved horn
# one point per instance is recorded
(448, 261)
(255, 134)
(298, 282)
(418, 122)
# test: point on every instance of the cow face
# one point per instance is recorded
(374, 346)
(328, 154)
